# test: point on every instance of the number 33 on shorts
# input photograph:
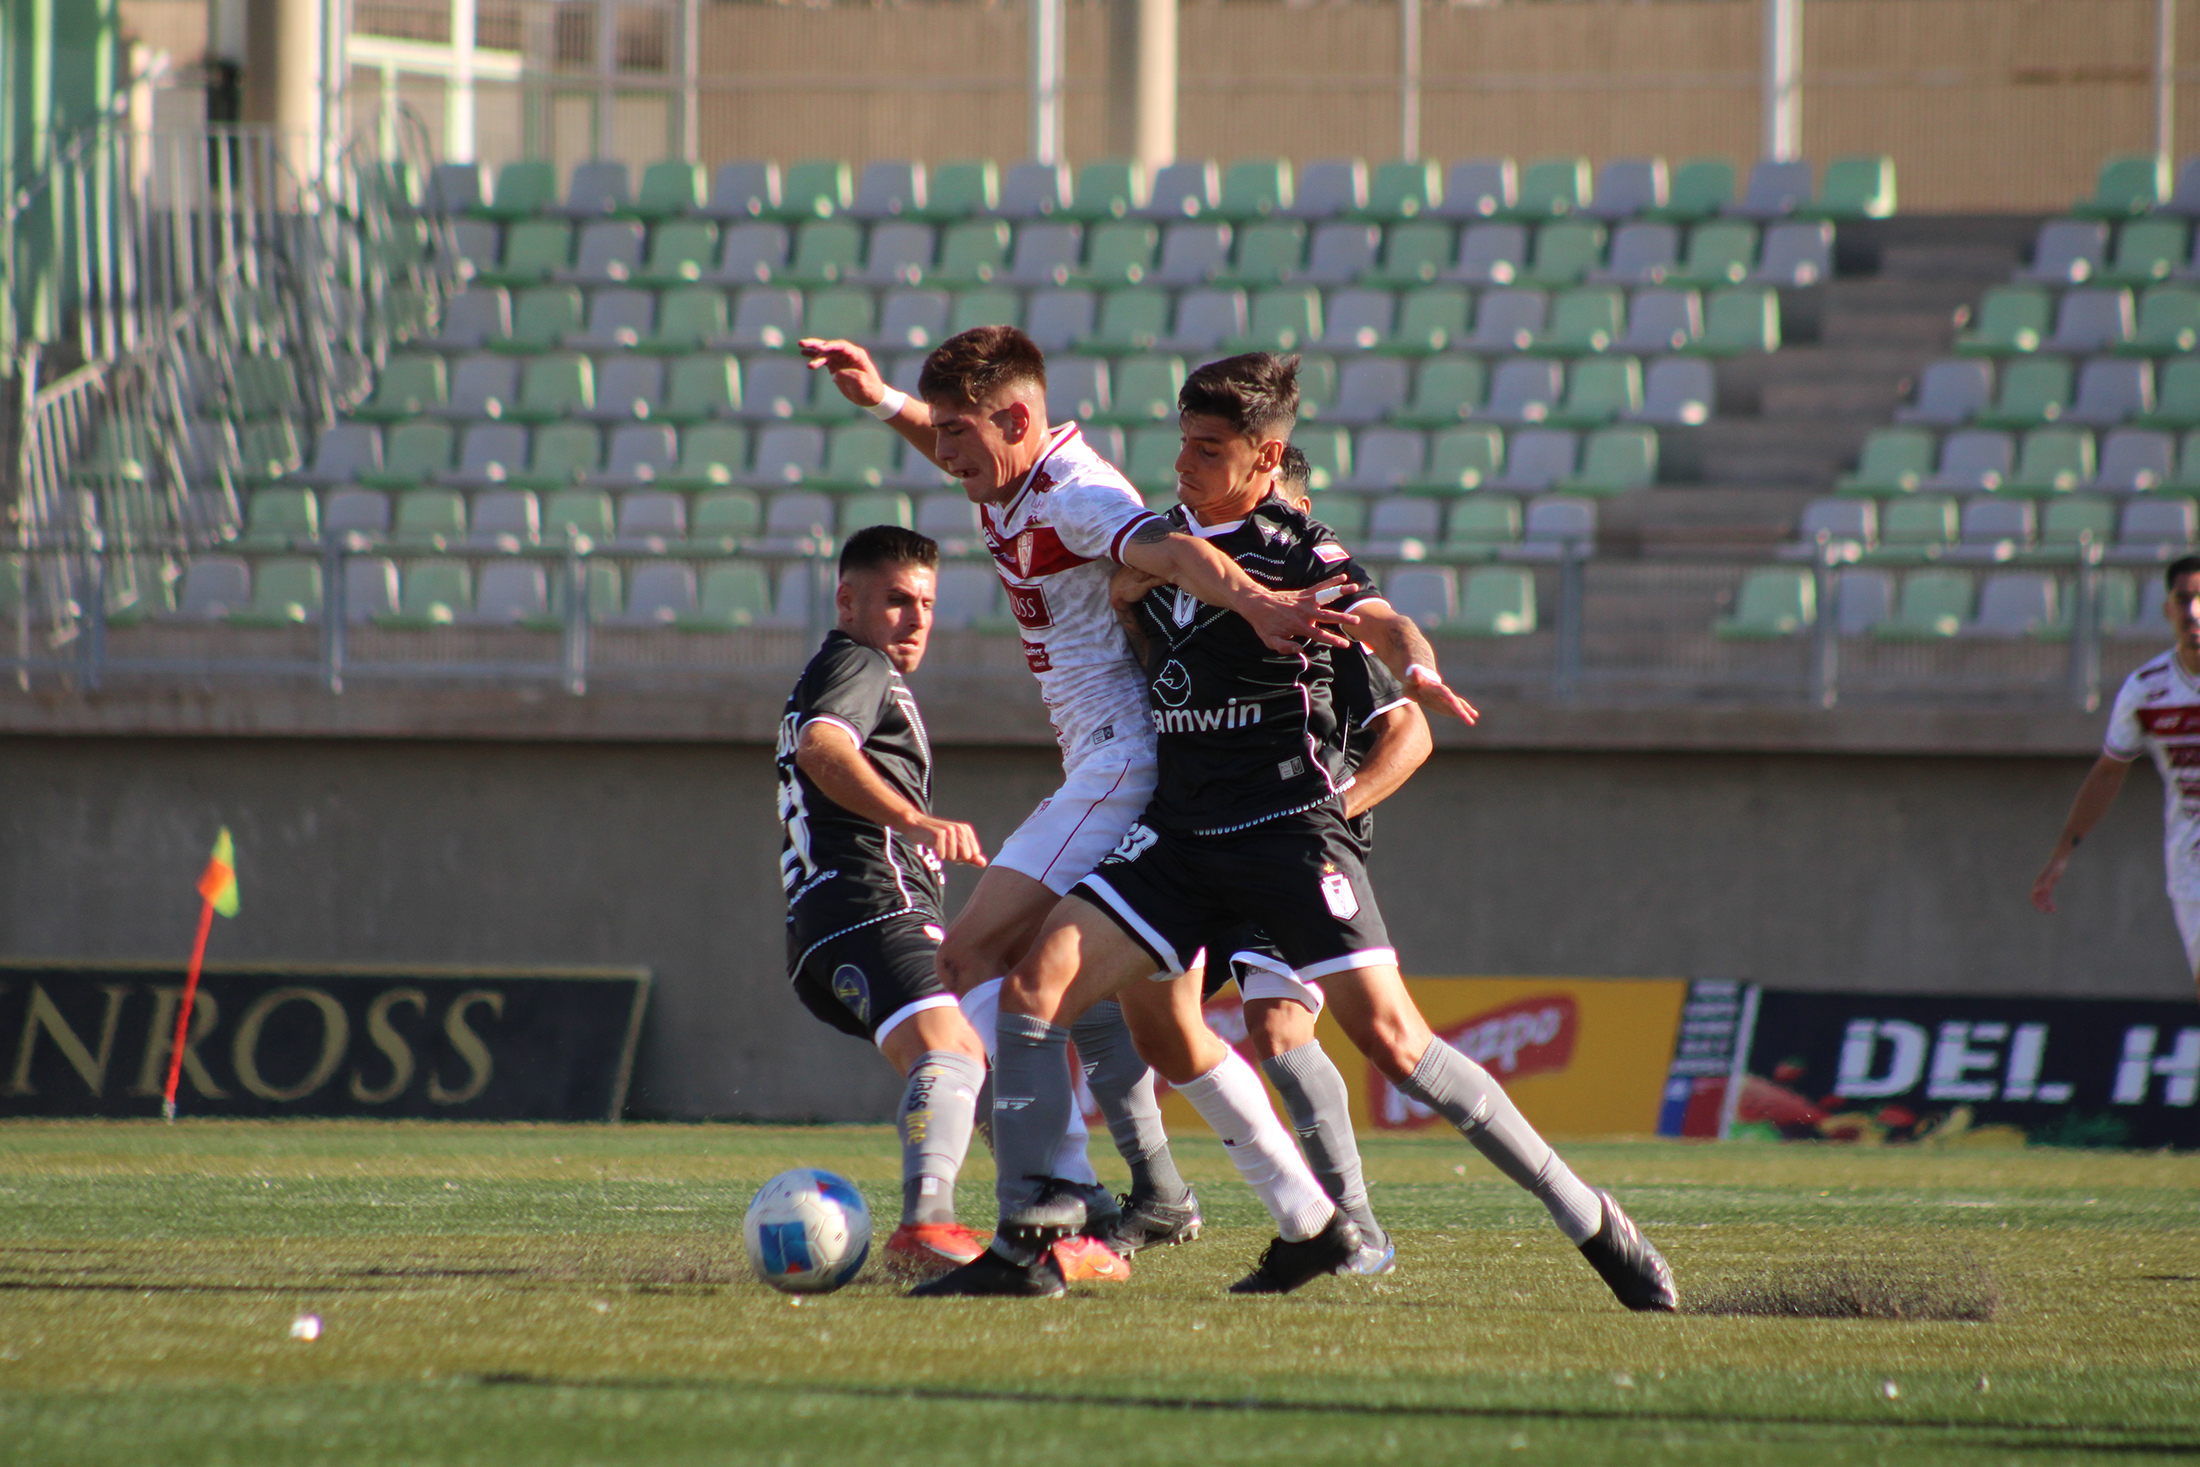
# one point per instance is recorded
(1136, 841)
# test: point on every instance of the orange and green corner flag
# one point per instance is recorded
(218, 882)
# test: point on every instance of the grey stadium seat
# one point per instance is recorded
(640, 453)
(2068, 252)
(2134, 460)
(1185, 189)
(474, 316)
(1490, 254)
(509, 592)
(1386, 459)
(1476, 188)
(773, 387)
(1356, 320)
(1341, 253)
(1949, 393)
(1642, 254)
(660, 593)
(1777, 188)
(1034, 190)
(1077, 387)
(1661, 320)
(1993, 529)
(1627, 187)
(1680, 391)
(764, 318)
(743, 189)
(598, 188)
(912, 319)
(341, 454)
(1205, 319)
(481, 387)
(370, 587)
(1046, 254)
(1427, 593)
(651, 519)
(627, 387)
(1862, 600)
(1403, 526)
(1058, 319)
(617, 320)
(750, 254)
(1192, 254)
(610, 251)
(1508, 320)
(2090, 320)
(2111, 390)
(1553, 523)
(489, 454)
(889, 188)
(1369, 390)
(1795, 255)
(1328, 188)
(2014, 604)
(1536, 459)
(1973, 461)
(1523, 390)
(786, 454)
(356, 512)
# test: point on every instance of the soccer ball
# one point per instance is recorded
(808, 1232)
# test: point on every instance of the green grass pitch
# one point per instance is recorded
(578, 1295)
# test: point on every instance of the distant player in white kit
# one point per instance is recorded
(1059, 520)
(2157, 713)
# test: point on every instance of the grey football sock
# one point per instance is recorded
(1031, 1103)
(1321, 1113)
(938, 1110)
(1463, 1093)
(1122, 1086)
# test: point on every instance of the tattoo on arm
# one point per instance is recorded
(1152, 531)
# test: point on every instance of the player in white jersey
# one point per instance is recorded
(1059, 520)
(2157, 713)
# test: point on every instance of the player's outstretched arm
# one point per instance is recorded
(1282, 618)
(1405, 650)
(1402, 745)
(2102, 784)
(861, 382)
(835, 763)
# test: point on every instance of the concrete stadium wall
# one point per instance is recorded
(1892, 872)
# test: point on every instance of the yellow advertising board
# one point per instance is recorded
(1580, 1056)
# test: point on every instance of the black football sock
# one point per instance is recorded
(1321, 1113)
(1031, 1106)
(1123, 1088)
(938, 1111)
(1465, 1094)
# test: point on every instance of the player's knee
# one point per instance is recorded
(1392, 1045)
(961, 964)
(1276, 1026)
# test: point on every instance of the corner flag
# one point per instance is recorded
(217, 893)
(218, 882)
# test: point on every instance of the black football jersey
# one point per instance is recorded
(1361, 687)
(1245, 734)
(839, 869)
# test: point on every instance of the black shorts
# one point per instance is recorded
(865, 977)
(1223, 969)
(1299, 879)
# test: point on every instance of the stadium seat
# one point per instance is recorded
(899, 254)
(1129, 321)
(1949, 393)
(1401, 527)
(1678, 392)
(2184, 198)
(568, 514)
(1537, 459)
(1205, 319)
(1777, 188)
(286, 590)
(1255, 188)
(1524, 390)
(2064, 522)
(1855, 188)
(1615, 460)
(1849, 525)
(1317, 382)
(2067, 252)
(1046, 254)
(1795, 255)
(2134, 460)
(2053, 461)
(1974, 461)
(1479, 188)
(2177, 397)
(2011, 319)
(1480, 527)
(1357, 320)
(489, 455)
(1552, 187)
(2092, 319)
(816, 188)
(1582, 321)
(972, 253)
(1446, 390)
(1328, 453)
(1058, 319)
(543, 316)
(1151, 462)
(457, 188)
(651, 520)
(1428, 594)
(1185, 189)
(370, 587)
(1034, 190)
(554, 386)
(476, 246)
(1413, 254)
(1369, 391)
(1283, 319)
(342, 453)
(504, 519)
(1862, 599)
(607, 253)
(524, 187)
(889, 188)
(1915, 529)
(2111, 391)
(787, 454)
(711, 456)
(1626, 187)
(1431, 319)
(768, 318)
(680, 252)
(597, 189)
(432, 592)
(911, 320)
(617, 321)
(1720, 252)
(985, 307)
(361, 512)
(1191, 254)
(733, 594)
(1933, 604)
(280, 519)
(661, 593)
(724, 518)
(2126, 187)
(750, 254)
(670, 187)
(1565, 251)
(1598, 391)
(688, 319)
(1490, 253)
(2168, 323)
(214, 586)
(960, 188)
(1385, 460)
(824, 251)
(2015, 604)
(1460, 459)
(1893, 461)
(1699, 189)
(1772, 601)
(1992, 529)
(471, 319)
(949, 517)
(1328, 188)
(1643, 253)
(773, 387)
(412, 453)
(510, 593)
(407, 387)
(2153, 528)
(2147, 251)
(638, 454)
(269, 450)
(699, 387)
(560, 454)
(1107, 188)
(1508, 320)
(1341, 253)
(743, 189)
(1345, 514)
(1402, 189)
(1552, 525)
(1077, 387)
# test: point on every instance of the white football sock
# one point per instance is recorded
(1229, 1098)
(981, 1007)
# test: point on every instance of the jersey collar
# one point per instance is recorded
(1056, 442)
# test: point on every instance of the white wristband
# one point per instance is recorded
(887, 408)
(1429, 673)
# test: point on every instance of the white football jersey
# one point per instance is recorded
(1055, 545)
(2157, 713)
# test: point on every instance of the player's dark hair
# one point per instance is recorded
(2181, 567)
(883, 545)
(1294, 473)
(971, 366)
(1257, 394)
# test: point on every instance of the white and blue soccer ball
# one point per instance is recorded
(808, 1232)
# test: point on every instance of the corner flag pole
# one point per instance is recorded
(217, 893)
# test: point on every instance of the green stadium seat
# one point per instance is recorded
(1445, 391)
(1774, 601)
(1854, 188)
(712, 455)
(2052, 461)
(1129, 321)
(734, 593)
(412, 454)
(286, 591)
(1585, 320)
(1480, 527)
(1720, 252)
(561, 454)
(407, 387)
(1434, 318)
(1284, 319)
(554, 386)
(429, 518)
(1346, 514)
(1255, 188)
(1565, 251)
(279, 519)
(1739, 321)
(1933, 605)
(2127, 187)
(723, 518)
(524, 187)
(1403, 189)
(864, 510)
(1550, 188)
(1328, 454)
(1894, 461)
(1495, 601)
(1317, 381)
(268, 450)
(266, 386)
(1143, 391)
(1615, 460)
(681, 251)
(1460, 458)
(688, 319)
(1152, 459)
(1413, 254)
(960, 189)
(857, 456)
(971, 253)
(149, 590)
(1599, 390)
(987, 307)
(2067, 519)
(670, 188)
(1267, 254)
(1107, 188)
(824, 251)
(2176, 396)
(817, 188)
(699, 387)
(432, 593)
(2168, 324)
(2034, 390)
(1121, 253)
(534, 250)
(2147, 251)
(570, 512)
(847, 312)
(1698, 189)
(542, 317)
(2011, 319)
(1914, 529)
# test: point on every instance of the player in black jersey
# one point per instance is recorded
(1247, 824)
(861, 858)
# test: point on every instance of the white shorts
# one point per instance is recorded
(1063, 839)
(2187, 908)
(1261, 976)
